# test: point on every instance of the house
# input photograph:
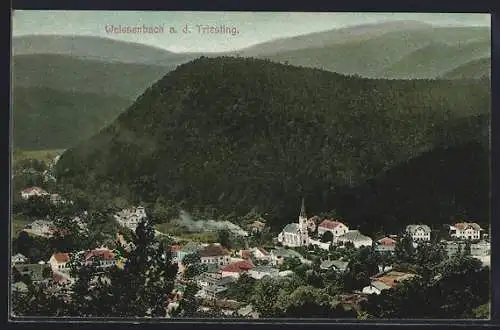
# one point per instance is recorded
(419, 233)
(215, 254)
(286, 273)
(375, 287)
(33, 191)
(386, 244)
(37, 272)
(236, 268)
(211, 292)
(260, 254)
(337, 265)
(387, 280)
(59, 262)
(131, 218)
(278, 256)
(259, 272)
(40, 228)
(337, 228)
(19, 259)
(466, 230)
(248, 312)
(482, 248)
(20, 287)
(296, 234)
(100, 258)
(256, 226)
(354, 237)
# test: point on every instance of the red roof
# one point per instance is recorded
(386, 241)
(330, 224)
(105, 254)
(61, 257)
(238, 267)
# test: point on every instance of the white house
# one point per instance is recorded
(131, 218)
(259, 272)
(419, 233)
(19, 259)
(337, 228)
(466, 230)
(33, 191)
(59, 262)
(215, 254)
(296, 234)
(354, 237)
(375, 287)
(40, 228)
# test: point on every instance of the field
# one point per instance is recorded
(43, 155)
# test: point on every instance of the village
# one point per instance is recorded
(223, 268)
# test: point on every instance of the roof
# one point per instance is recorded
(379, 285)
(224, 281)
(412, 228)
(213, 250)
(392, 278)
(104, 253)
(19, 256)
(386, 241)
(257, 224)
(238, 267)
(246, 254)
(330, 224)
(61, 257)
(465, 225)
(287, 253)
(265, 269)
(339, 264)
(215, 289)
(353, 235)
(261, 250)
(291, 228)
(303, 209)
(34, 189)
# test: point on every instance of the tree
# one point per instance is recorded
(224, 238)
(404, 251)
(141, 289)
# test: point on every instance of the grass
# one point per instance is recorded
(18, 221)
(46, 155)
(180, 232)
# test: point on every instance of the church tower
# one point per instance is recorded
(304, 233)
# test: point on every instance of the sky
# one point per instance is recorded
(252, 27)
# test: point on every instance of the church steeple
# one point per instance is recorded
(303, 210)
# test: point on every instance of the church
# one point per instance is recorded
(296, 234)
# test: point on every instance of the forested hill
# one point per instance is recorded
(231, 134)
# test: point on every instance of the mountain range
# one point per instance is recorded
(109, 68)
(225, 136)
